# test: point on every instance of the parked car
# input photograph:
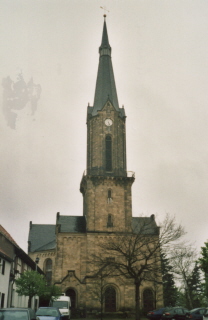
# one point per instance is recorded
(196, 314)
(49, 313)
(17, 313)
(156, 314)
(205, 315)
(175, 313)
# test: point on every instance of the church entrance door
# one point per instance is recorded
(148, 300)
(110, 299)
(72, 294)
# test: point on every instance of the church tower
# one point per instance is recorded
(106, 184)
(67, 249)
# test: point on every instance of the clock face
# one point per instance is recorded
(108, 122)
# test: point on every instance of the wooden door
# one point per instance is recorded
(110, 299)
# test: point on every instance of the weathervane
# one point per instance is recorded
(105, 10)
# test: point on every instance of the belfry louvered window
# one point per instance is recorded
(108, 152)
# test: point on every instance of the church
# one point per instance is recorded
(65, 249)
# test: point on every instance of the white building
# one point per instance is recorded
(5, 267)
(13, 262)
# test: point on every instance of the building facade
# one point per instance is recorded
(66, 249)
(13, 262)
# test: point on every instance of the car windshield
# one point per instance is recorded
(60, 304)
(13, 315)
(47, 312)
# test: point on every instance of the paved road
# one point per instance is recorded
(105, 318)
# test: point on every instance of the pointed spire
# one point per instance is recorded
(105, 43)
(105, 86)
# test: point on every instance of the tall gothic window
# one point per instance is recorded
(48, 271)
(108, 153)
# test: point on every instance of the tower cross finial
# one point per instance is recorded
(105, 10)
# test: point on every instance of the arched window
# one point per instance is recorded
(148, 300)
(48, 271)
(108, 153)
(110, 299)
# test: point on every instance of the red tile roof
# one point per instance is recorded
(7, 235)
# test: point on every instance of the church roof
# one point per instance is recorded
(72, 223)
(43, 236)
(105, 86)
(49, 246)
(40, 236)
(145, 225)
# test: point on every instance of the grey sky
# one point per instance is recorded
(160, 60)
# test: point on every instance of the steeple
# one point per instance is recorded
(105, 46)
(105, 86)
(106, 131)
(106, 184)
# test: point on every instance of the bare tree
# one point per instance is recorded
(137, 255)
(183, 262)
(99, 283)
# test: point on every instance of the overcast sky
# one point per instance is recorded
(160, 61)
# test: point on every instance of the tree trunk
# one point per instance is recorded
(101, 301)
(187, 290)
(29, 302)
(137, 300)
(206, 284)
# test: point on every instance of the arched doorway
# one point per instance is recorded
(110, 299)
(148, 300)
(72, 294)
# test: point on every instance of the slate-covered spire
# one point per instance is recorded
(105, 85)
(105, 43)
